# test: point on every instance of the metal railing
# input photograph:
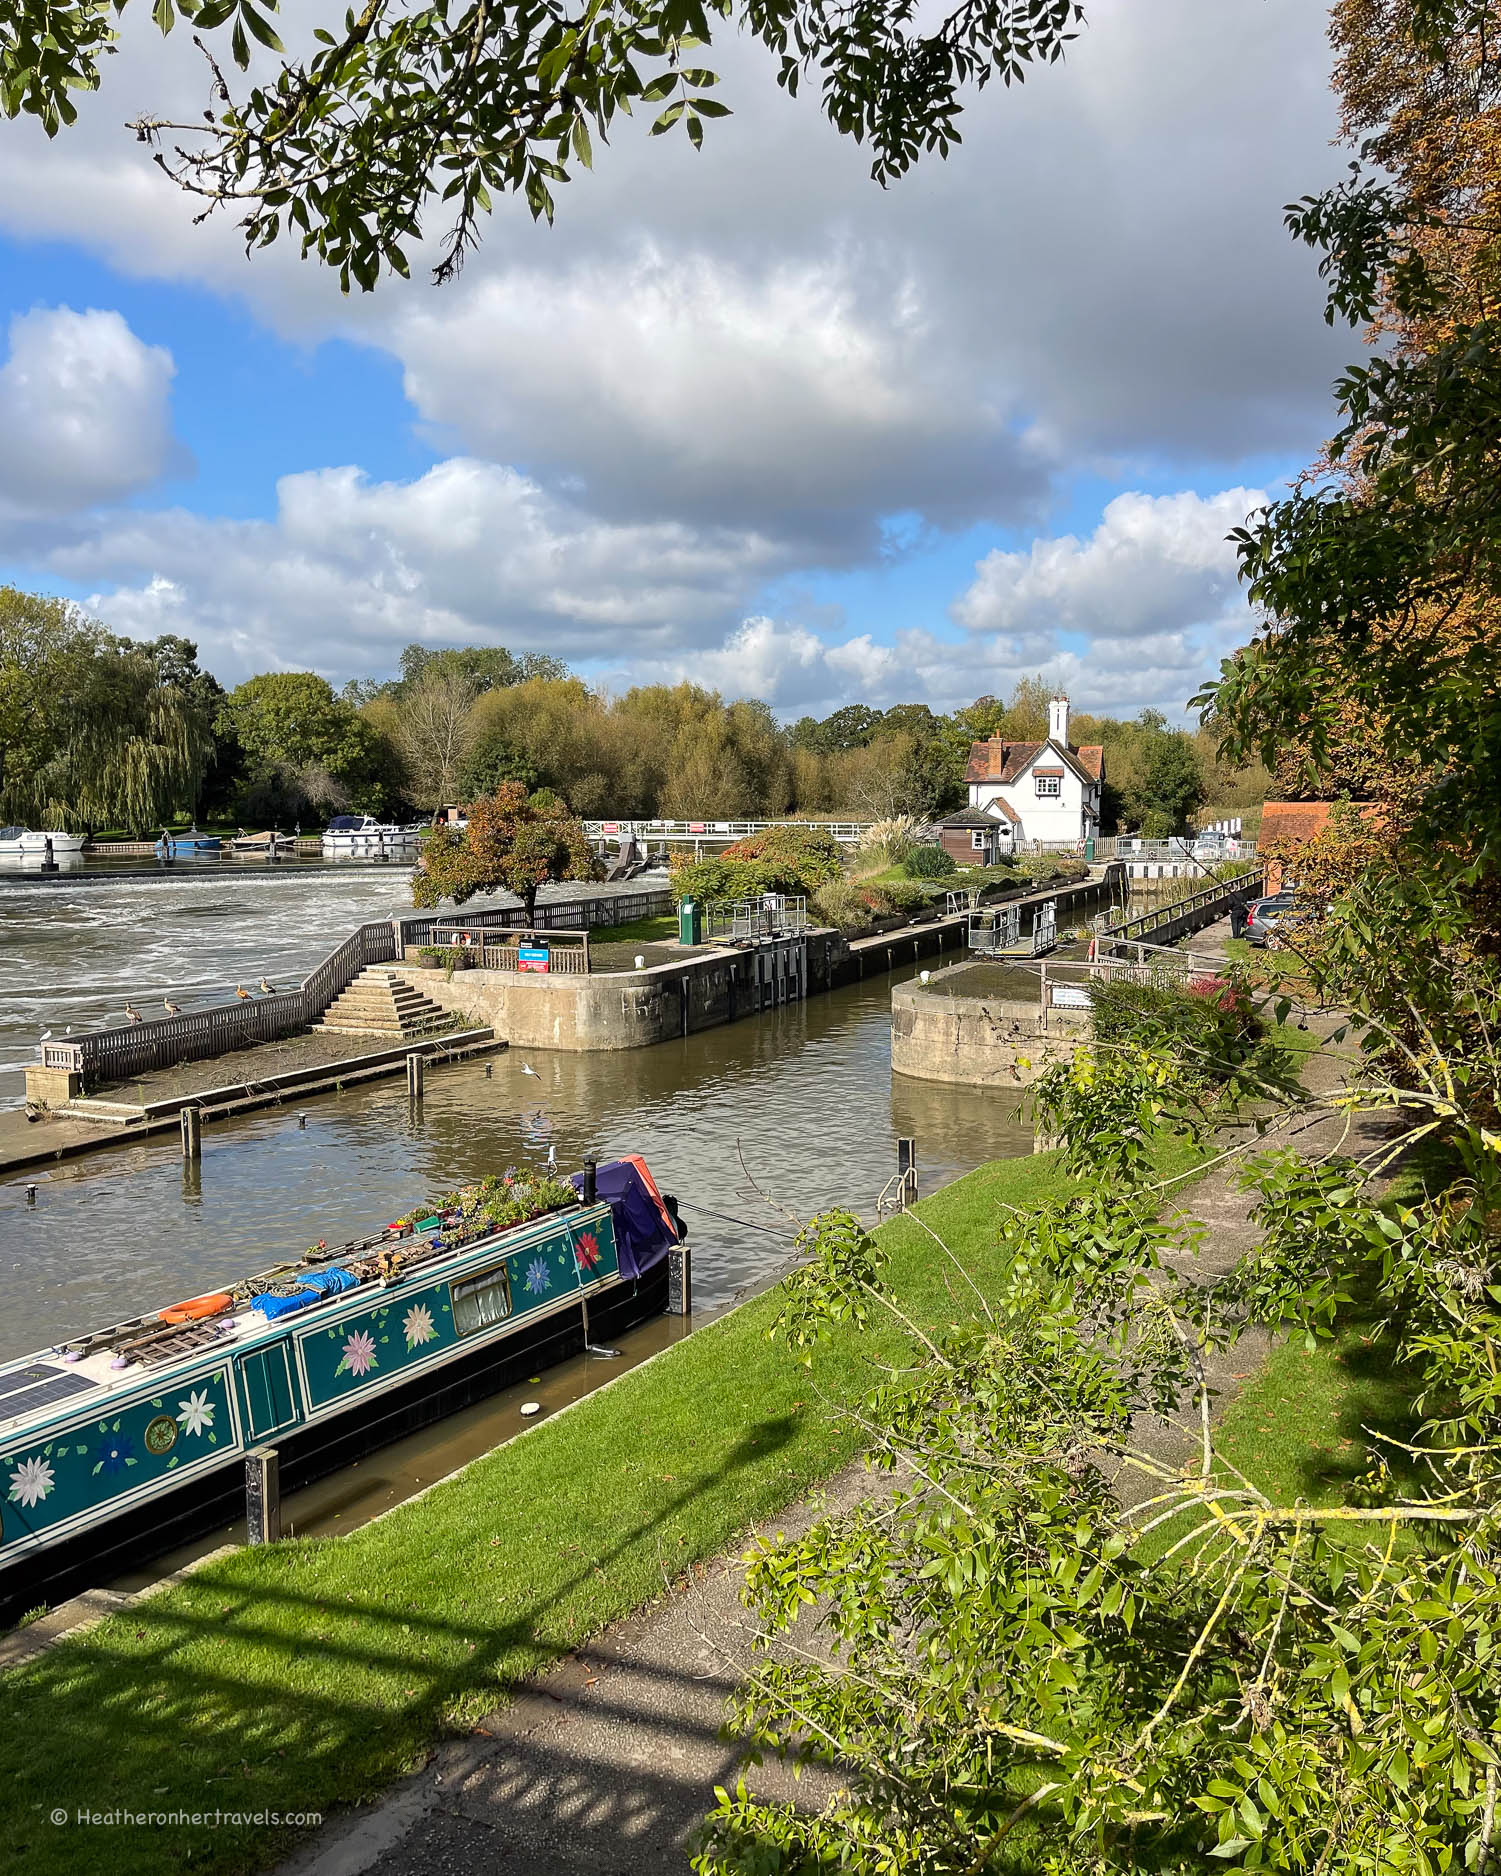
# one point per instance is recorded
(899, 1191)
(742, 920)
(847, 833)
(1202, 905)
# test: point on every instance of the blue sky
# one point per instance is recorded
(740, 417)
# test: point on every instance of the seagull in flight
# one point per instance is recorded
(527, 1069)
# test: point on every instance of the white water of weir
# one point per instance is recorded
(75, 954)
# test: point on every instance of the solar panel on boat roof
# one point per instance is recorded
(43, 1393)
(14, 1379)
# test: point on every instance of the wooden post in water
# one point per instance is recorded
(414, 1077)
(263, 1496)
(192, 1132)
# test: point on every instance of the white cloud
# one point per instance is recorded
(1154, 563)
(350, 570)
(84, 411)
(791, 398)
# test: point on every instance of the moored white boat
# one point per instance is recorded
(23, 843)
(362, 835)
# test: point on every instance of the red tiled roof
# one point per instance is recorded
(1000, 761)
(1294, 821)
(1005, 809)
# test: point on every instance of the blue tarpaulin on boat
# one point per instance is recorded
(644, 1231)
(311, 1285)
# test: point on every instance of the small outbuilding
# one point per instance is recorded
(975, 837)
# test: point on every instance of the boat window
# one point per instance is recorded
(482, 1301)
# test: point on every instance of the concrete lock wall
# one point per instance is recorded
(634, 1009)
(981, 1041)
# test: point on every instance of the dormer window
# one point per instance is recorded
(1049, 783)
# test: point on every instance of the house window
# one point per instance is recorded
(1049, 785)
(977, 840)
(480, 1302)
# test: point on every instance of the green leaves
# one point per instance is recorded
(401, 108)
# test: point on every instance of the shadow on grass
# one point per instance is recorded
(283, 1681)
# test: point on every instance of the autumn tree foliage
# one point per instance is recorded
(515, 842)
(1380, 576)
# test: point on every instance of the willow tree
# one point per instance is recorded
(94, 730)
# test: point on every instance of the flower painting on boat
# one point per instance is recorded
(586, 1249)
(359, 1354)
(537, 1279)
(196, 1413)
(115, 1451)
(417, 1325)
(30, 1482)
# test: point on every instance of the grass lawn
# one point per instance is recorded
(293, 1678)
(638, 931)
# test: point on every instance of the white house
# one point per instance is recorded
(1046, 791)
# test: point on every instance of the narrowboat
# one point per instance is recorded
(123, 1443)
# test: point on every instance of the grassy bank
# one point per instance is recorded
(292, 1679)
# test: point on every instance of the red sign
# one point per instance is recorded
(532, 958)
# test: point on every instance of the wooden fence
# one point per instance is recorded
(107, 1055)
(621, 908)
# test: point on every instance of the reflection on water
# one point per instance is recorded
(786, 1113)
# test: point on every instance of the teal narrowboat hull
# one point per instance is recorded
(93, 1451)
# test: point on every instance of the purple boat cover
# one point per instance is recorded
(643, 1236)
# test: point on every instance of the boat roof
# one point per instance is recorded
(41, 1388)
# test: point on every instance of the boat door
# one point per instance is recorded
(268, 1398)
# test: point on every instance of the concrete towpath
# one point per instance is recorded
(606, 1765)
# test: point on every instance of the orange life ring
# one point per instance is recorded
(196, 1308)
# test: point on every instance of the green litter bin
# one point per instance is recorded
(1089, 849)
(690, 922)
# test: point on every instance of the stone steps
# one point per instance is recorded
(381, 1003)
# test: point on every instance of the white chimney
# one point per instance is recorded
(1058, 720)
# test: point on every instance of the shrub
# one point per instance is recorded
(930, 863)
(1209, 1022)
(842, 904)
(889, 842)
(783, 859)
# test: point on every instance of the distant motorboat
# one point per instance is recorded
(363, 837)
(175, 846)
(22, 843)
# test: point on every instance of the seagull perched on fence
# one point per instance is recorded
(242, 993)
(46, 1035)
(172, 1009)
(267, 990)
(132, 1015)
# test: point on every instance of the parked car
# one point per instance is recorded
(1264, 915)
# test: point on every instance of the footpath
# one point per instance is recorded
(606, 1765)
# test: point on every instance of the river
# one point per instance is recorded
(754, 1126)
(778, 1115)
